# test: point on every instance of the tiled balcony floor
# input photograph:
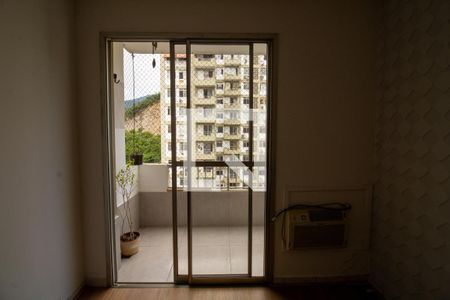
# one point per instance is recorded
(216, 250)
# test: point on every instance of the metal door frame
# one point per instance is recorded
(108, 151)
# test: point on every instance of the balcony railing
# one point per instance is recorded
(220, 175)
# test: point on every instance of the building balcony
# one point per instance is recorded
(205, 119)
(231, 151)
(230, 77)
(205, 156)
(204, 81)
(204, 101)
(232, 122)
(232, 62)
(232, 92)
(205, 138)
(232, 106)
(228, 136)
(205, 64)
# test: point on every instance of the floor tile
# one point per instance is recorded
(211, 260)
(216, 250)
(150, 264)
(210, 236)
(239, 259)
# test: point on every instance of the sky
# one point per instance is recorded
(147, 78)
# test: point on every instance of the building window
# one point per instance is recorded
(219, 172)
(233, 100)
(219, 144)
(219, 86)
(204, 57)
(231, 71)
(219, 158)
(262, 87)
(180, 75)
(234, 130)
(219, 101)
(204, 93)
(208, 111)
(245, 144)
(182, 93)
(207, 148)
(234, 115)
(207, 130)
(246, 130)
(246, 101)
(219, 129)
(233, 145)
(219, 116)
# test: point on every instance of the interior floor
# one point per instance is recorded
(355, 291)
(216, 250)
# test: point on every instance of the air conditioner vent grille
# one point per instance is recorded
(325, 215)
(313, 236)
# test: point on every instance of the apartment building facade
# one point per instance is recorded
(220, 114)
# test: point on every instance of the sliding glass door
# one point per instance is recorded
(218, 175)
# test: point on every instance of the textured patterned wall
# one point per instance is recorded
(411, 224)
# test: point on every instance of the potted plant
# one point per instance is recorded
(137, 156)
(129, 241)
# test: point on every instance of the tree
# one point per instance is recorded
(144, 142)
(140, 106)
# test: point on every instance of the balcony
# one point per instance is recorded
(231, 92)
(232, 77)
(204, 82)
(205, 119)
(152, 213)
(229, 136)
(204, 63)
(232, 62)
(205, 138)
(204, 101)
(205, 156)
(232, 122)
(231, 151)
(232, 106)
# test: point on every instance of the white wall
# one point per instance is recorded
(325, 101)
(153, 178)
(411, 234)
(41, 228)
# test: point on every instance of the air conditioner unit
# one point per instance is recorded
(315, 229)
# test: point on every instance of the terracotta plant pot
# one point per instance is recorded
(129, 247)
(136, 159)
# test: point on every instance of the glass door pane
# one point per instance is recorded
(219, 85)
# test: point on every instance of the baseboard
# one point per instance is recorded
(375, 286)
(96, 282)
(279, 281)
(77, 293)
